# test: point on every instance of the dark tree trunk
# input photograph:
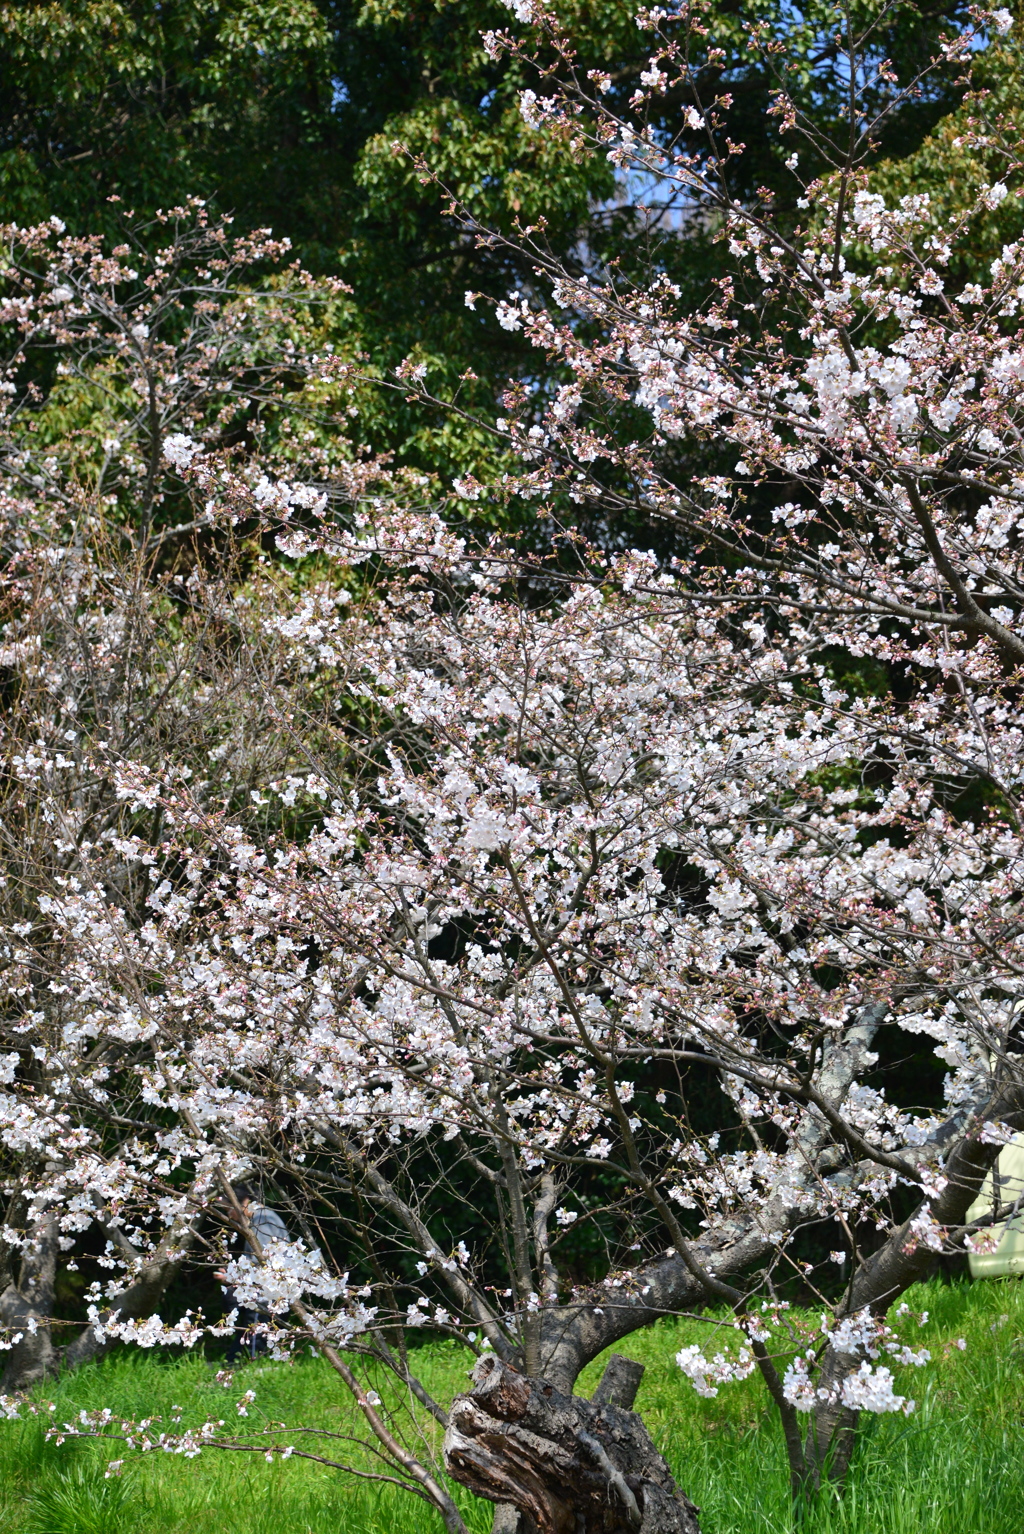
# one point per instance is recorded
(566, 1465)
(886, 1275)
(27, 1305)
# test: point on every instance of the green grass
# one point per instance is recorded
(954, 1467)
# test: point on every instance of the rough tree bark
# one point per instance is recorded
(566, 1465)
(26, 1306)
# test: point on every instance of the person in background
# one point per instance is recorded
(266, 1225)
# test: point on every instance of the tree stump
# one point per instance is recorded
(569, 1466)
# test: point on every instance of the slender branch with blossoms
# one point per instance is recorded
(181, 331)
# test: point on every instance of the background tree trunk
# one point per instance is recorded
(26, 1305)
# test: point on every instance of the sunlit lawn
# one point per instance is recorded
(954, 1467)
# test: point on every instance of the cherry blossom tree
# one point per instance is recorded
(100, 662)
(109, 356)
(572, 865)
(578, 895)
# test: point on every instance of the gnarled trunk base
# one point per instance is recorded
(569, 1466)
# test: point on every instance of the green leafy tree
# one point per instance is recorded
(953, 171)
(288, 115)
